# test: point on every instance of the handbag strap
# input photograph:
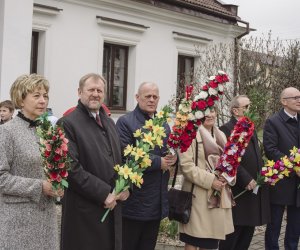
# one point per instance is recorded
(176, 169)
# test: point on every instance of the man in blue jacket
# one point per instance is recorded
(282, 133)
(147, 205)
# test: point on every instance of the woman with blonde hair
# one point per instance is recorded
(208, 223)
(27, 212)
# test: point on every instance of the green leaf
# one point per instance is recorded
(64, 183)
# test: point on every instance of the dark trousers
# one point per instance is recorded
(139, 235)
(240, 239)
(292, 230)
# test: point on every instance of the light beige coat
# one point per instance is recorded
(204, 222)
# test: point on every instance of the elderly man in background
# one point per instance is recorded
(147, 205)
(281, 134)
(94, 148)
(251, 209)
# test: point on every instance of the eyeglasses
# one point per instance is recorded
(243, 107)
(295, 98)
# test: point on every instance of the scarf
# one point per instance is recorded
(213, 148)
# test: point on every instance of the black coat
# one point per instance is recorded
(95, 151)
(251, 209)
(149, 202)
(282, 133)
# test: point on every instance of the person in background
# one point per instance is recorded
(207, 226)
(7, 110)
(281, 134)
(51, 117)
(94, 147)
(27, 212)
(147, 205)
(256, 205)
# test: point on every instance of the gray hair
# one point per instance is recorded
(235, 102)
(146, 83)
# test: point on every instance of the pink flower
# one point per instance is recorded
(58, 151)
(48, 146)
(61, 165)
(64, 147)
(63, 173)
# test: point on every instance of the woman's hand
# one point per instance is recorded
(48, 190)
(217, 184)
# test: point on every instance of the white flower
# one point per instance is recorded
(185, 108)
(221, 87)
(207, 112)
(212, 91)
(203, 95)
(212, 78)
(191, 117)
(199, 115)
(220, 72)
(197, 97)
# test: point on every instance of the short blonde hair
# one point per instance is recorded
(25, 84)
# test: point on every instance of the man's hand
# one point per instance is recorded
(171, 159)
(110, 201)
(164, 164)
(298, 173)
(168, 161)
(123, 196)
(251, 185)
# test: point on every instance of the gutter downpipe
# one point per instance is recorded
(236, 85)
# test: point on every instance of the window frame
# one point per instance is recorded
(110, 74)
(34, 52)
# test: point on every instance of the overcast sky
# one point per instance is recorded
(280, 16)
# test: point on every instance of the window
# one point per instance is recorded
(34, 52)
(115, 64)
(185, 73)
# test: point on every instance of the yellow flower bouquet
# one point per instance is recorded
(137, 157)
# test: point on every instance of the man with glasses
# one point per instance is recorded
(282, 133)
(147, 205)
(252, 209)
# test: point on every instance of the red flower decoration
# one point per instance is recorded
(235, 147)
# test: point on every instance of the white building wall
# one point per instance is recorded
(71, 45)
(15, 41)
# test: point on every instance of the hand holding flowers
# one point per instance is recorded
(272, 172)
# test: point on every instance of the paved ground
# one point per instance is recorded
(258, 239)
(256, 244)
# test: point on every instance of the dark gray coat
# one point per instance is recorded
(95, 151)
(250, 209)
(282, 133)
